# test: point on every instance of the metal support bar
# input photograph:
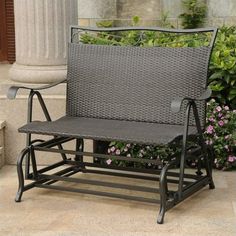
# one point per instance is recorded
(139, 170)
(20, 159)
(79, 146)
(104, 156)
(101, 183)
(28, 136)
(164, 192)
(34, 164)
(195, 187)
(184, 149)
(54, 142)
(98, 193)
(203, 146)
(48, 118)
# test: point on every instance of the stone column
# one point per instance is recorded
(42, 32)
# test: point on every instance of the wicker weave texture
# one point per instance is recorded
(103, 129)
(134, 83)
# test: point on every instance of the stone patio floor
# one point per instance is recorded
(48, 212)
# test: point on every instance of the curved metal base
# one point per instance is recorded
(163, 192)
(211, 185)
(168, 199)
(20, 159)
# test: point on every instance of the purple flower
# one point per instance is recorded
(220, 115)
(210, 129)
(118, 152)
(218, 109)
(221, 123)
(231, 158)
(109, 161)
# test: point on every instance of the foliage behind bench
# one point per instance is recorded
(222, 81)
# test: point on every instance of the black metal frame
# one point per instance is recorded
(168, 198)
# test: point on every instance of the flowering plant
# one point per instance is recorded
(220, 134)
(161, 152)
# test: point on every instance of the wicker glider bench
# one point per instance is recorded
(133, 94)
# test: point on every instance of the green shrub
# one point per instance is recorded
(195, 14)
(222, 78)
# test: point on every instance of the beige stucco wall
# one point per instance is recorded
(121, 11)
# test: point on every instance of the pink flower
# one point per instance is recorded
(231, 158)
(226, 108)
(234, 111)
(118, 152)
(220, 114)
(125, 149)
(140, 155)
(109, 161)
(218, 109)
(208, 142)
(128, 145)
(211, 119)
(109, 151)
(221, 123)
(128, 155)
(210, 129)
(226, 147)
(226, 137)
(113, 149)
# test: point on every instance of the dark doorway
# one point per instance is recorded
(7, 31)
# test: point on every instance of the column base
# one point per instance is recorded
(37, 74)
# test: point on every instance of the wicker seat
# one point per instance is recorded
(103, 129)
(141, 95)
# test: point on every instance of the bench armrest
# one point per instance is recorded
(12, 91)
(177, 102)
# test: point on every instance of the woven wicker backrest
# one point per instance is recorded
(134, 83)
